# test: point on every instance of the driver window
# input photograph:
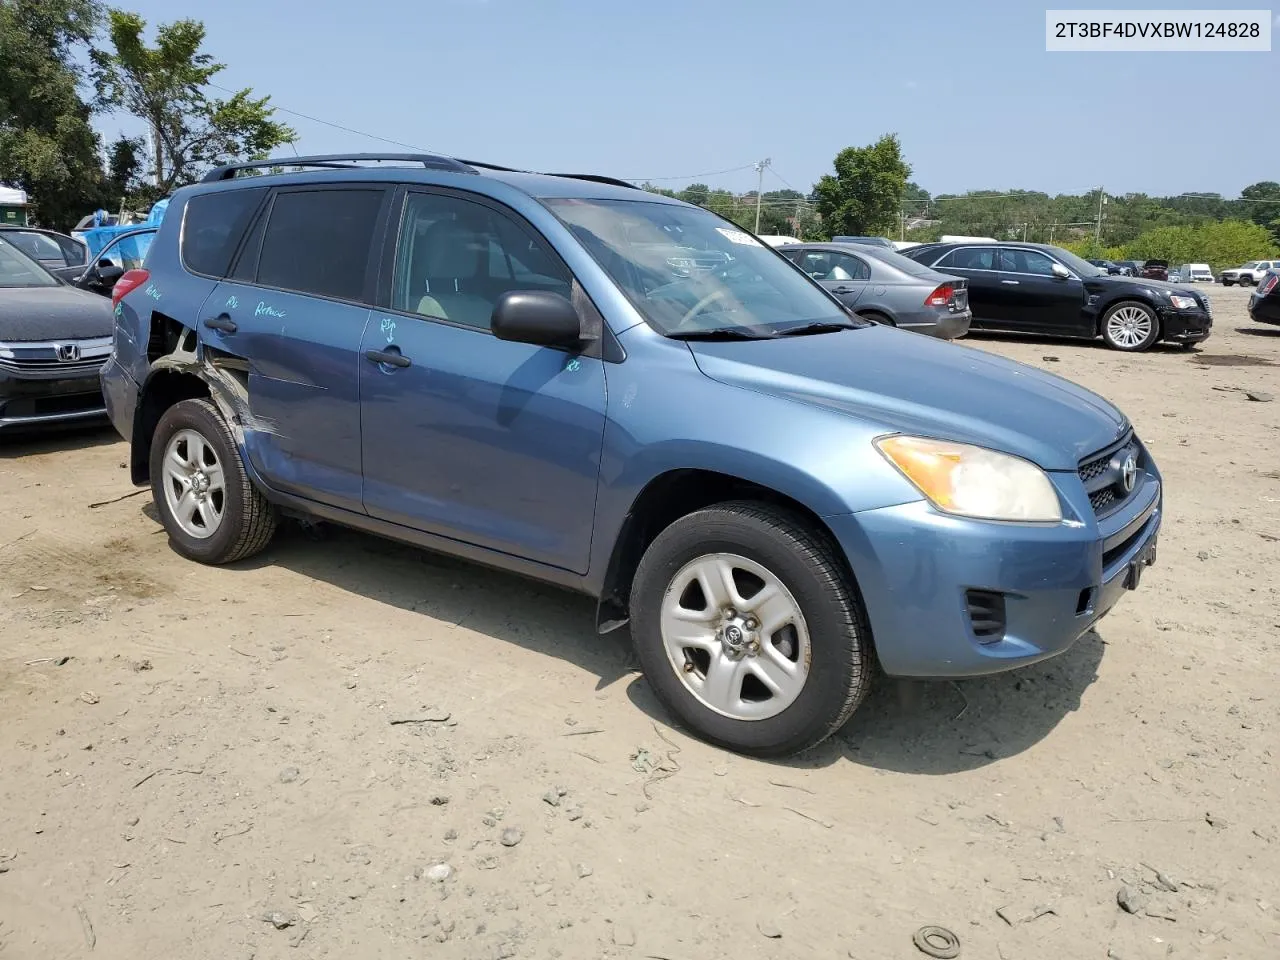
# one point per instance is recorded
(1026, 261)
(457, 258)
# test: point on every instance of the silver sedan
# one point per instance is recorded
(882, 285)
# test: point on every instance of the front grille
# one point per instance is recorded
(1103, 474)
(50, 359)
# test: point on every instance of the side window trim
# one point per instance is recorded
(369, 288)
(606, 347)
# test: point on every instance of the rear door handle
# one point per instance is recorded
(396, 359)
(843, 290)
(1012, 283)
(223, 324)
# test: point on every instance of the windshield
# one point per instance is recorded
(1250, 265)
(19, 270)
(688, 271)
(1081, 266)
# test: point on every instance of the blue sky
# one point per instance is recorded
(665, 89)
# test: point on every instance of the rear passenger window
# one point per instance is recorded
(318, 242)
(969, 258)
(212, 226)
(456, 258)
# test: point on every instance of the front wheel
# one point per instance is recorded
(750, 630)
(207, 503)
(1130, 326)
(1227, 283)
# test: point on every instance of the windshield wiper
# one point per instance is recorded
(722, 333)
(820, 326)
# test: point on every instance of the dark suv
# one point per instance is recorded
(613, 391)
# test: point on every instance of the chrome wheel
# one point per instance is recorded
(1129, 327)
(735, 636)
(194, 484)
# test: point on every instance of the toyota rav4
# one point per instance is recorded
(520, 369)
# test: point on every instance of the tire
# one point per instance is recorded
(875, 316)
(1130, 326)
(826, 644)
(1227, 283)
(214, 528)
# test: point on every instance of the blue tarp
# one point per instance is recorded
(99, 237)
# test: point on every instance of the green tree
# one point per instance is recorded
(47, 146)
(865, 195)
(165, 85)
(1263, 205)
(695, 193)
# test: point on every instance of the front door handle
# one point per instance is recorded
(1012, 283)
(391, 359)
(222, 324)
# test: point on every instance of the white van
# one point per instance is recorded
(1195, 273)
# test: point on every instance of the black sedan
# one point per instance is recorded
(1037, 288)
(1264, 303)
(54, 340)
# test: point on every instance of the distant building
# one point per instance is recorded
(13, 205)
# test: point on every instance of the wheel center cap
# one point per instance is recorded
(200, 483)
(733, 636)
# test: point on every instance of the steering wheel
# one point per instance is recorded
(701, 305)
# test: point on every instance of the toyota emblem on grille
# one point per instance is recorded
(68, 352)
(1129, 473)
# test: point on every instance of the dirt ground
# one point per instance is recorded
(274, 760)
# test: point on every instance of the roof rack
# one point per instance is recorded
(351, 161)
(594, 177)
(341, 161)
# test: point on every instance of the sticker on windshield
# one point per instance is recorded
(736, 236)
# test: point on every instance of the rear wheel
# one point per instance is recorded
(209, 507)
(749, 630)
(1227, 283)
(1130, 326)
(875, 316)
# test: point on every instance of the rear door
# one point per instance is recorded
(1035, 300)
(289, 321)
(978, 265)
(842, 274)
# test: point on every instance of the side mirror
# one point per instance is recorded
(107, 273)
(537, 317)
(1061, 272)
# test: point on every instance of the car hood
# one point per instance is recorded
(53, 313)
(915, 384)
(1129, 283)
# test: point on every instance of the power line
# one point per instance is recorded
(329, 123)
(691, 176)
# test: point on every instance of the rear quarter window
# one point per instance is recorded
(212, 226)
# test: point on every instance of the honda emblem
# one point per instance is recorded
(68, 352)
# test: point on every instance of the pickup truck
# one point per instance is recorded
(1248, 274)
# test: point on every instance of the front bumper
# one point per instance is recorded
(36, 401)
(1185, 326)
(917, 567)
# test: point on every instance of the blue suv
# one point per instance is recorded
(621, 394)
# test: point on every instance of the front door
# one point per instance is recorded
(467, 436)
(1034, 299)
(289, 320)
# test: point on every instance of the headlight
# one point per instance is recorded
(1183, 303)
(974, 482)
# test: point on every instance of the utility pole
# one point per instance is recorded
(1024, 233)
(760, 165)
(1097, 229)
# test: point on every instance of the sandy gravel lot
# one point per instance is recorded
(217, 770)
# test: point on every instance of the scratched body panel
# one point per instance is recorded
(303, 432)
